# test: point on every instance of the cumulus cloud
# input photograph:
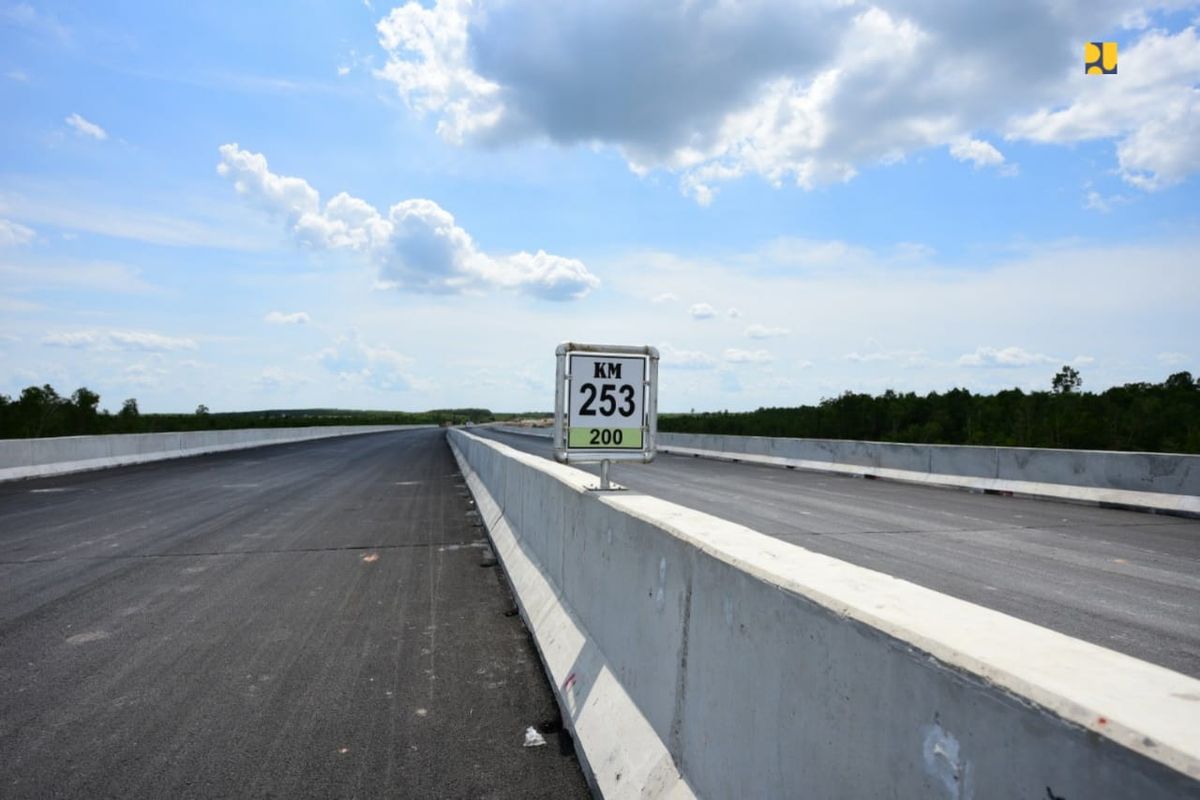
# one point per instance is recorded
(977, 151)
(765, 332)
(379, 366)
(1153, 111)
(684, 359)
(1004, 357)
(702, 311)
(802, 93)
(416, 245)
(735, 356)
(85, 128)
(280, 318)
(665, 297)
(14, 233)
(118, 340)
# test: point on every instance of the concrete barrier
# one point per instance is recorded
(1159, 482)
(1169, 483)
(695, 657)
(32, 458)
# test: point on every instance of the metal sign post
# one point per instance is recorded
(605, 405)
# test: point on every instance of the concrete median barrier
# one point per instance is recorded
(696, 657)
(33, 458)
(1160, 482)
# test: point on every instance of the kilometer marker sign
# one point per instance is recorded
(606, 399)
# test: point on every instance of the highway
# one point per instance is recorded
(1123, 580)
(306, 620)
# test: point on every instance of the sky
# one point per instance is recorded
(363, 205)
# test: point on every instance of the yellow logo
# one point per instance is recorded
(1100, 58)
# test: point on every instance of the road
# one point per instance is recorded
(1123, 580)
(304, 620)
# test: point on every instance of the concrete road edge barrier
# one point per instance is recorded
(764, 669)
(620, 753)
(38, 458)
(1099, 477)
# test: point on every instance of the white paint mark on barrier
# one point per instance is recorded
(942, 761)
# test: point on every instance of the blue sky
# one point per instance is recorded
(374, 206)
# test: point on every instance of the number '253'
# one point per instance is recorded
(608, 400)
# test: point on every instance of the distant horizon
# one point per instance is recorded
(112, 409)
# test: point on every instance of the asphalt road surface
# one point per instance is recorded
(303, 620)
(1123, 580)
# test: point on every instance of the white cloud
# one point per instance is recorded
(1004, 357)
(1094, 201)
(75, 276)
(1172, 359)
(977, 151)
(803, 93)
(417, 245)
(277, 378)
(684, 359)
(733, 313)
(23, 15)
(143, 375)
(118, 340)
(82, 206)
(343, 71)
(378, 366)
(765, 332)
(14, 233)
(294, 318)
(1152, 108)
(702, 311)
(85, 128)
(736, 356)
(665, 297)
(908, 359)
(18, 75)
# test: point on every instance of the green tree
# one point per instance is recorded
(1067, 380)
(39, 410)
(1181, 380)
(83, 413)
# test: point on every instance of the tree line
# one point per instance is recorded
(1152, 417)
(41, 411)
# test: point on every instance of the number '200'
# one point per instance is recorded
(606, 436)
(608, 400)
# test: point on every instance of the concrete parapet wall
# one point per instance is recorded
(1164, 473)
(696, 657)
(1079, 476)
(31, 458)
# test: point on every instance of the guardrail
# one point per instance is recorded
(693, 656)
(31, 458)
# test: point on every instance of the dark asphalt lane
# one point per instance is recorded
(1120, 579)
(303, 620)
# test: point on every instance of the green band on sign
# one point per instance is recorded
(604, 438)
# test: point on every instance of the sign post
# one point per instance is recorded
(605, 404)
